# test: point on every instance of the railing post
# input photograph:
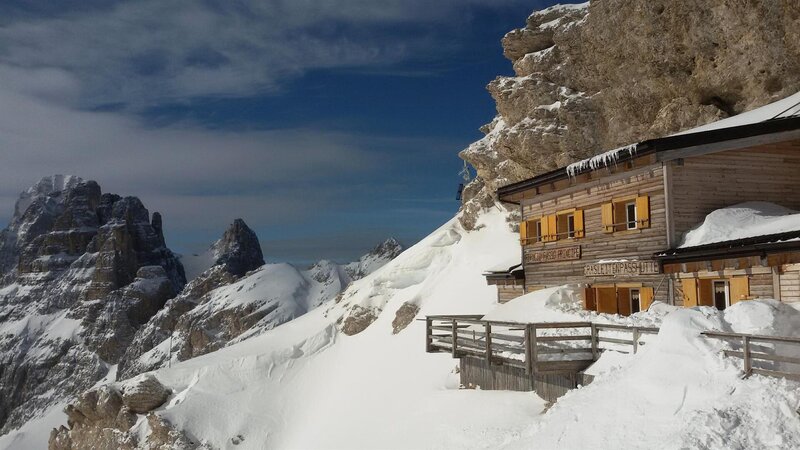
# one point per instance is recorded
(746, 356)
(528, 355)
(488, 329)
(428, 335)
(635, 339)
(534, 355)
(455, 337)
(594, 343)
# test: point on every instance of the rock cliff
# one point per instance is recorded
(81, 272)
(598, 75)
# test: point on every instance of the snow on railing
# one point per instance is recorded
(602, 160)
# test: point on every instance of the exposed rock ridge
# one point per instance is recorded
(238, 250)
(83, 270)
(596, 76)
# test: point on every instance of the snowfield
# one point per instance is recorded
(306, 385)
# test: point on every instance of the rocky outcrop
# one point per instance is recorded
(238, 250)
(82, 272)
(404, 316)
(590, 79)
(235, 254)
(144, 393)
(104, 418)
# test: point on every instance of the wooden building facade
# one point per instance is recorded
(614, 223)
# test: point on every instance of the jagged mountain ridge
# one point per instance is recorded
(219, 308)
(598, 75)
(82, 270)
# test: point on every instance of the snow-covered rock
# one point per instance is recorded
(87, 270)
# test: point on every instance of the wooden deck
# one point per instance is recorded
(548, 358)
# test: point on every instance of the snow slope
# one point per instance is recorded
(678, 392)
(740, 221)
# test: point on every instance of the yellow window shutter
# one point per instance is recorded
(578, 218)
(740, 289)
(624, 301)
(689, 286)
(545, 237)
(551, 226)
(645, 298)
(607, 217)
(643, 211)
(606, 300)
(523, 232)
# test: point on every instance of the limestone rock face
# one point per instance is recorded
(80, 272)
(590, 79)
(239, 250)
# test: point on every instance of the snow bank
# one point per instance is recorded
(679, 392)
(564, 304)
(740, 221)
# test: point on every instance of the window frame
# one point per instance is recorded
(628, 220)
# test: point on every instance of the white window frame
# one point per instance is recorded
(570, 231)
(628, 219)
(727, 292)
(630, 298)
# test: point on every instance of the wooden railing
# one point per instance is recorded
(757, 351)
(539, 348)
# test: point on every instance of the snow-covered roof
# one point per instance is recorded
(602, 160)
(789, 107)
(742, 221)
(782, 109)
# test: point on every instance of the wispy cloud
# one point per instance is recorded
(141, 52)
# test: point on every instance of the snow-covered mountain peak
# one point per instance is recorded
(375, 259)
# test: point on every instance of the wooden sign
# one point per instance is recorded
(553, 254)
(612, 269)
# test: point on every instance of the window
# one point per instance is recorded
(530, 232)
(720, 290)
(565, 224)
(627, 214)
(630, 216)
(636, 304)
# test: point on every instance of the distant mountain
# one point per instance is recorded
(80, 272)
(220, 307)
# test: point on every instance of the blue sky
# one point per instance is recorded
(327, 126)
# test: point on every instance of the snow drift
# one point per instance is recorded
(741, 221)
